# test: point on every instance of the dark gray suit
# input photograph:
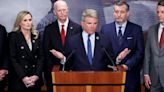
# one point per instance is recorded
(154, 58)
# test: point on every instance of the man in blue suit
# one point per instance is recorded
(127, 44)
(87, 51)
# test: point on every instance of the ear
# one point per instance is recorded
(54, 12)
(128, 13)
(82, 23)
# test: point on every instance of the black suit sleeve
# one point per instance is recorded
(3, 48)
(13, 55)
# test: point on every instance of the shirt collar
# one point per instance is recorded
(123, 25)
(85, 34)
(65, 23)
(161, 26)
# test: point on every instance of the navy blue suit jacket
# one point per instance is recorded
(133, 40)
(78, 61)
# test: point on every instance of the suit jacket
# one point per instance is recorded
(24, 62)
(154, 57)
(133, 40)
(77, 59)
(3, 48)
(52, 40)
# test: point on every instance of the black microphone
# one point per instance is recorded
(68, 57)
(111, 60)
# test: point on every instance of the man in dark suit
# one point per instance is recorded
(3, 60)
(55, 37)
(128, 45)
(87, 50)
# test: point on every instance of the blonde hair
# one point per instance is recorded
(89, 13)
(19, 18)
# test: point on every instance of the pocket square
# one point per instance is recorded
(128, 38)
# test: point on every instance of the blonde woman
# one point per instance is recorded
(25, 55)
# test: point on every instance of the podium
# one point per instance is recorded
(88, 81)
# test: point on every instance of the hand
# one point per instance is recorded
(34, 78)
(27, 81)
(122, 67)
(147, 81)
(3, 73)
(114, 68)
(123, 54)
(57, 54)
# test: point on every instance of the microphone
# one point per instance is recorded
(68, 57)
(111, 60)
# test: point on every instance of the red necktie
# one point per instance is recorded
(62, 35)
(162, 39)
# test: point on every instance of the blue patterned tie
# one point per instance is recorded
(120, 35)
(89, 50)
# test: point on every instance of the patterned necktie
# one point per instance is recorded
(89, 47)
(162, 39)
(120, 35)
(62, 35)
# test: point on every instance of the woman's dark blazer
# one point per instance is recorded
(23, 61)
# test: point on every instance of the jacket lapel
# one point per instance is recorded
(114, 34)
(82, 48)
(96, 49)
(25, 45)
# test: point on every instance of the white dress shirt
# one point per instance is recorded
(85, 39)
(65, 25)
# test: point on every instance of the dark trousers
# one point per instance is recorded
(48, 80)
(3, 84)
(133, 88)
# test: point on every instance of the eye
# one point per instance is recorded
(30, 19)
(25, 20)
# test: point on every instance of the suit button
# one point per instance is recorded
(22, 47)
(36, 56)
(33, 66)
(26, 66)
(23, 56)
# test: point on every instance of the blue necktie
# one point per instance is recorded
(89, 47)
(120, 35)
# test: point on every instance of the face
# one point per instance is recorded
(160, 14)
(61, 11)
(26, 22)
(120, 14)
(89, 25)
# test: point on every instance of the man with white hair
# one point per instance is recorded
(55, 38)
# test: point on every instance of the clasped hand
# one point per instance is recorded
(3, 73)
(30, 81)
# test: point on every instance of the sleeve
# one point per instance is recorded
(137, 51)
(3, 49)
(13, 56)
(146, 64)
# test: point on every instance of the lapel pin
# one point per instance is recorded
(71, 28)
(97, 38)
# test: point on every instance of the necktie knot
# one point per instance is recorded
(120, 31)
(62, 26)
